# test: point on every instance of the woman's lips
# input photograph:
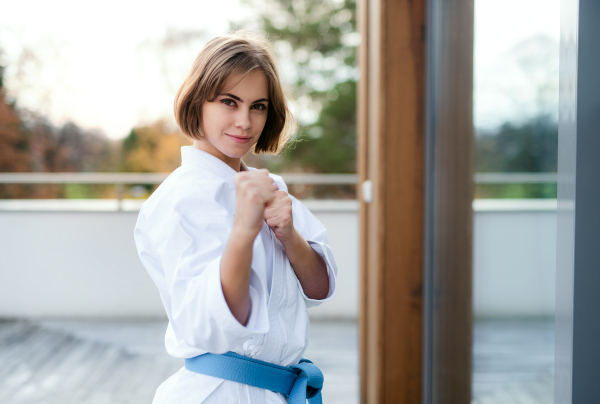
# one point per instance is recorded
(239, 139)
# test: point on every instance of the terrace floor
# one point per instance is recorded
(110, 362)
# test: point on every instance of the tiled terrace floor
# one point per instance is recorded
(105, 362)
(513, 362)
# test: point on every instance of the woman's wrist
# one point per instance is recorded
(293, 240)
(242, 234)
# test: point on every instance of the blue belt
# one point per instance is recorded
(299, 382)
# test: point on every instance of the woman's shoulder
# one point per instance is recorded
(187, 181)
(189, 190)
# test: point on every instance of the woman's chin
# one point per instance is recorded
(236, 152)
(232, 151)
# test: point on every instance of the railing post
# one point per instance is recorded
(119, 197)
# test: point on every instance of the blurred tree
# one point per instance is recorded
(329, 145)
(14, 146)
(76, 149)
(529, 147)
(152, 148)
(65, 148)
(30, 142)
(316, 42)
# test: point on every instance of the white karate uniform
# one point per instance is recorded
(181, 232)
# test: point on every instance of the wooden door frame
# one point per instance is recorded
(391, 156)
(415, 147)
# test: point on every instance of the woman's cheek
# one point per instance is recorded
(260, 122)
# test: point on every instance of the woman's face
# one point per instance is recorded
(233, 122)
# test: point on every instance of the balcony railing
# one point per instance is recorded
(121, 179)
(515, 178)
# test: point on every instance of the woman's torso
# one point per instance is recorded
(287, 335)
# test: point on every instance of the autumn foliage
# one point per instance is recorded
(153, 148)
(29, 142)
(14, 148)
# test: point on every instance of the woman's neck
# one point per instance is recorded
(234, 162)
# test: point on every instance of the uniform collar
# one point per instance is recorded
(199, 158)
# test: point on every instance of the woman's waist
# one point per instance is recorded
(283, 344)
(283, 352)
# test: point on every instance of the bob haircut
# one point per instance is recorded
(237, 53)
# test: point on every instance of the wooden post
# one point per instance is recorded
(416, 148)
(391, 139)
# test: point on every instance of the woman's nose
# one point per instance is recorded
(243, 120)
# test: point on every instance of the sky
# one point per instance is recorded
(515, 60)
(105, 64)
(116, 64)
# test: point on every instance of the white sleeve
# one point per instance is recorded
(188, 251)
(315, 233)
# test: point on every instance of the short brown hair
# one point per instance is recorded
(237, 53)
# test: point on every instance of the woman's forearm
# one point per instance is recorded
(235, 273)
(308, 265)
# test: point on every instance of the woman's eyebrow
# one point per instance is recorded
(235, 97)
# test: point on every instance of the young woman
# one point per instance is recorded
(236, 259)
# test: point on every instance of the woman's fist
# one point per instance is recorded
(278, 216)
(255, 190)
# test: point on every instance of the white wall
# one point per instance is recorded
(78, 259)
(514, 260)
(72, 264)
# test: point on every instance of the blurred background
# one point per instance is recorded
(88, 88)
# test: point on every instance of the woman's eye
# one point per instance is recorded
(260, 107)
(228, 102)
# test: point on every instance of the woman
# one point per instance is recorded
(236, 259)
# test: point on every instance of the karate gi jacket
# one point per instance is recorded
(181, 233)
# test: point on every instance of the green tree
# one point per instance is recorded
(531, 146)
(329, 146)
(528, 147)
(317, 44)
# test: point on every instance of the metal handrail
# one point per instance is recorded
(515, 178)
(289, 178)
(152, 178)
(121, 179)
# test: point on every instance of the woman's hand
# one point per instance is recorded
(278, 216)
(255, 190)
